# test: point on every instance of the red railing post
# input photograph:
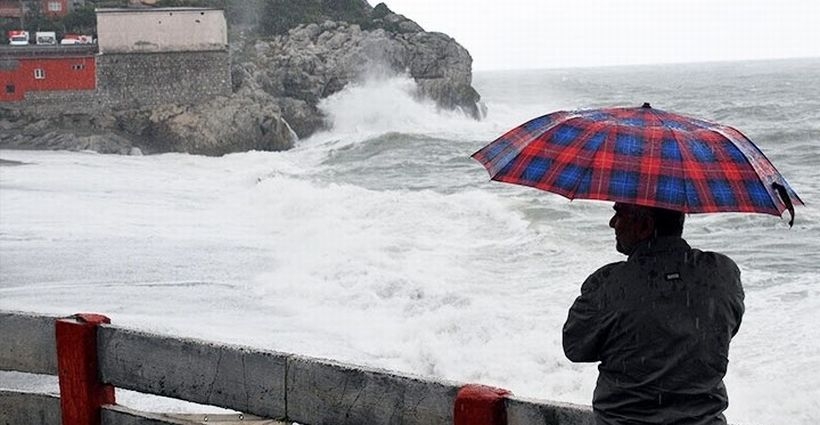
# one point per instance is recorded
(480, 405)
(81, 392)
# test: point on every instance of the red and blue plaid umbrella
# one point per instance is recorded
(640, 156)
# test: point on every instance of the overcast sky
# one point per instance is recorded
(519, 34)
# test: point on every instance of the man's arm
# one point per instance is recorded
(736, 294)
(584, 331)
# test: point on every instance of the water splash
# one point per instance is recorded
(382, 104)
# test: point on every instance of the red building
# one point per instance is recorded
(55, 8)
(11, 9)
(49, 8)
(24, 70)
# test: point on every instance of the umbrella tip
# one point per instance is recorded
(646, 105)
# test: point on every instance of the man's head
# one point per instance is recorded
(635, 224)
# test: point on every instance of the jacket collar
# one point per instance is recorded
(660, 244)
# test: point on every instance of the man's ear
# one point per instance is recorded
(646, 228)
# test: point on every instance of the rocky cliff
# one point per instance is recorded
(280, 72)
(314, 61)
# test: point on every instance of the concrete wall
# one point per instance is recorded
(161, 30)
(26, 408)
(28, 343)
(326, 392)
(29, 408)
(231, 377)
(522, 411)
(263, 383)
(119, 415)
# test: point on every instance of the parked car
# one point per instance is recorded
(45, 38)
(18, 37)
(70, 39)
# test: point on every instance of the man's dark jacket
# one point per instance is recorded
(660, 324)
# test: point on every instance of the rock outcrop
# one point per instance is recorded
(278, 81)
(222, 125)
(314, 61)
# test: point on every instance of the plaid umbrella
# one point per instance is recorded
(640, 156)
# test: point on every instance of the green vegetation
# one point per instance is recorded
(217, 4)
(278, 16)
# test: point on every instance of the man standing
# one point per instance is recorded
(660, 324)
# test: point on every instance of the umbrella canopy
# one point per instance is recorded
(640, 156)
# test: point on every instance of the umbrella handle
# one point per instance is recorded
(784, 196)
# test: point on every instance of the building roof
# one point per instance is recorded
(155, 9)
(20, 52)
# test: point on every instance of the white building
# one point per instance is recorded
(161, 30)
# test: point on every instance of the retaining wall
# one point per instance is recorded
(136, 80)
(266, 384)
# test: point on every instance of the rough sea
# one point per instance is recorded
(382, 243)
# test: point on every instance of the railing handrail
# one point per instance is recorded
(272, 384)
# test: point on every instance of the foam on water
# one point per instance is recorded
(382, 243)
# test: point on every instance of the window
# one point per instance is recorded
(78, 66)
(55, 6)
(39, 74)
(9, 88)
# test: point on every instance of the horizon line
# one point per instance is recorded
(640, 64)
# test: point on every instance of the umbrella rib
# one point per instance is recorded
(592, 129)
(515, 147)
(610, 132)
(755, 166)
(684, 172)
(683, 151)
(769, 190)
(682, 145)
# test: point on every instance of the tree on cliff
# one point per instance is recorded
(278, 16)
(82, 21)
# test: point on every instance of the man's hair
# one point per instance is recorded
(668, 222)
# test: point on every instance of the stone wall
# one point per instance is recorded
(137, 80)
(60, 102)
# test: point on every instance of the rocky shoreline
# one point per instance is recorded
(278, 82)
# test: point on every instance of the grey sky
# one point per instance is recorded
(516, 34)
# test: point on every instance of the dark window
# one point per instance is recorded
(9, 88)
(78, 66)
